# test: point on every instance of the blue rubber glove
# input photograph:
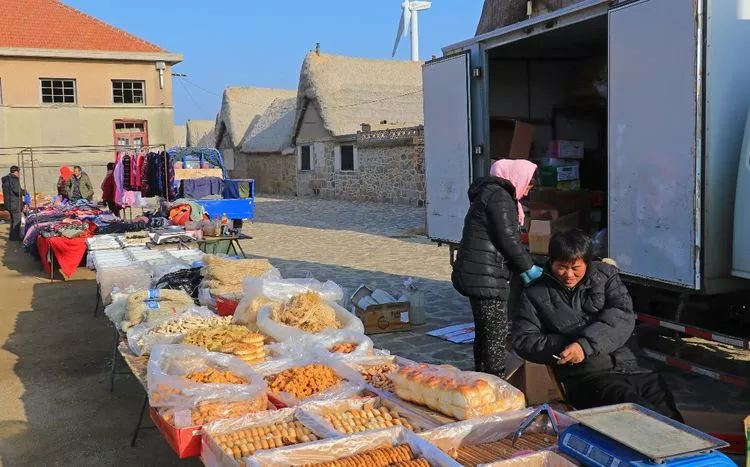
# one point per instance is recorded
(531, 275)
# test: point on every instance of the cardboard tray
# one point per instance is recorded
(186, 442)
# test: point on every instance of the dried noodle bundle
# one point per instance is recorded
(308, 312)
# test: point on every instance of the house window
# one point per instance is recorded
(347, 158)
(305, 158)
(128, 92)
(131, 133)
(58, 91)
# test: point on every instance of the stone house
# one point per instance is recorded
(268, 155)
(68, 79)
(241, 108)
(357, 129)
(179, 136)
(200, 133)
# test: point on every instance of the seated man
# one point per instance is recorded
(578, 318)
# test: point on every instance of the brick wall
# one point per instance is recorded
(273, 173)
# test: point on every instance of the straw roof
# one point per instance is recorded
(200, 133)
(241, 107)
(273, 130)
(349, 91)
(178, 135)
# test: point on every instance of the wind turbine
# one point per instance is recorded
(409, 21)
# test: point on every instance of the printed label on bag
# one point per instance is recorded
(405, 317)
(154, 294)
(152, 304)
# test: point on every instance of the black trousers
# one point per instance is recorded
(15, 226)
(491, 335)
(646, 389)
(113, 207)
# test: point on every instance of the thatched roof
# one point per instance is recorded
(349, 91)
(273, 130)
(178, 136)
(241, 108)
(201, 134)
(500, 13)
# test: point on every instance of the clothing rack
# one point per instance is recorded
(26, 155)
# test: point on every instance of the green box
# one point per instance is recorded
(552, 175)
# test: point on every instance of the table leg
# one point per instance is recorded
(114, 362)
(140, 420)
(239, 245)
(98, 297)
(51, 261)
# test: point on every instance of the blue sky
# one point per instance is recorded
(262, 43)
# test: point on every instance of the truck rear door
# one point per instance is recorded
(654, 141)
(447, 134)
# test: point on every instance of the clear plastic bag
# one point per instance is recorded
(325, 342)
(537, 459)
(212, 453)
(338, 448)
(319, 414)
(352, 383)
(144, 336)
(168, 386)
(376, 369)
(489, 429)
(283, 333)
(456, 393)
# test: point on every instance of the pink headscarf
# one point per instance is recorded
(519, 172)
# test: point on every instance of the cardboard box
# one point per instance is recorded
(381, 318)
(186, 442)
(723, 425)
(551, 175)
(565, 149)
(535, 380)
(510, 139)
(541, 231)
(566, 202)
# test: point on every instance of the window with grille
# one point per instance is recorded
(305, 159)
(58, 91)
(347, 158)
(128, 92)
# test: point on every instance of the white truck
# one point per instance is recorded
(673, 115)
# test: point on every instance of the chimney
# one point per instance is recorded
(366, 127)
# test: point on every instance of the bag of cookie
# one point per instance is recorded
(202, 386)
(228, 442)
(374, 448)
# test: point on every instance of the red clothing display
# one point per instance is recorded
(69, 252)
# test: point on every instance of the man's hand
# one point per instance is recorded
(572, 355)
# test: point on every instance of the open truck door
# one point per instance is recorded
(447, 134)
(654, 144)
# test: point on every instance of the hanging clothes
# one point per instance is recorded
(126, 171)
(118, 175)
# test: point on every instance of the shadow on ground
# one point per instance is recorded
(63, 355)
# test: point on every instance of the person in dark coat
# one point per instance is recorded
(578, 318)
(490, 251)
(13, 200)
(109, 189)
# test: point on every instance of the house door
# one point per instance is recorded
(131, 133)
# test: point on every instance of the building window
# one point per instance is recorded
(305, 162)
(58, 91)
(347, 158)
(128, 92)
(131, 133)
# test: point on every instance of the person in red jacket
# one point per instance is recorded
(108, 190)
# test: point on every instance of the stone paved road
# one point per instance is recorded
(365, 243)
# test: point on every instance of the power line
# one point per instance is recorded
(195, 102)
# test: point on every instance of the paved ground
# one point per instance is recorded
(55, 407)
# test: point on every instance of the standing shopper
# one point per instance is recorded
(62, 182)
(490, 251)
(13, 199)
(79, 185)
(108, 190)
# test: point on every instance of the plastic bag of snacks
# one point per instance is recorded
(456, 393)
(343, 344)
(202, 386)
(293, 381)
(304, 315)
(489, 439)
(263, 291)
(155, 305)
(143, 337)
(351, 416)
(376, 369)
(375, 448)
(227, 442)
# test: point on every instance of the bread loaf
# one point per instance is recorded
(456, 393)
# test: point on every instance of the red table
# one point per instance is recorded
(69, 252)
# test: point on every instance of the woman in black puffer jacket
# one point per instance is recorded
(490, 251)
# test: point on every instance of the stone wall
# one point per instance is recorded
(273, 173)
(386, 173)
(47, 167)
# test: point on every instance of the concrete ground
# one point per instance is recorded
(55, 406)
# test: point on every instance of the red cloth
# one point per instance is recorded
(108, 187)
(69, 252)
